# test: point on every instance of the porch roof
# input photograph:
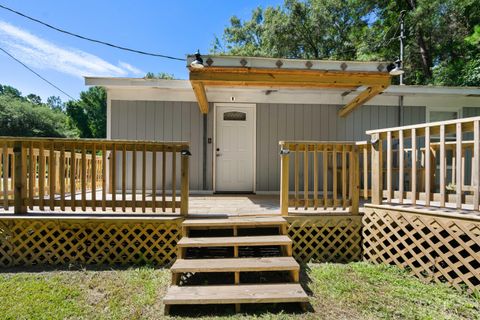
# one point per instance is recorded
(228, 71)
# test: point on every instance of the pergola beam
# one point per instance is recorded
(199, 90)
(295, 78)
(288, 78)
(362, 98)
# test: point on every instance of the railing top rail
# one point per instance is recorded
(317, 142)
(424, 125)
(82, 140)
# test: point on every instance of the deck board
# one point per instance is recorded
(275, 240)
(236, 264)
(227, 294)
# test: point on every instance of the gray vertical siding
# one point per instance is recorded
(276, 122)
(471, 112)
(161, 121)
(175, 121)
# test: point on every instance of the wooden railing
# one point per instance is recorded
(67, 174)
(433, 164)
(325, 176)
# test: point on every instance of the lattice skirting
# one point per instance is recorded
(433, 246)
(326, 238)
(109, 241)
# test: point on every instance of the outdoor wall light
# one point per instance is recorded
(198, 62)
(395, 69)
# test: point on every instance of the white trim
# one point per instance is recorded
(214, 149)
(457, 109)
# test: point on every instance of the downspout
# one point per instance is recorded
(205, 125)
(400, 111)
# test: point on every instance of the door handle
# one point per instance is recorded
(218, 154)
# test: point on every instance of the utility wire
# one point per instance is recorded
(37, 74)
(90, 39)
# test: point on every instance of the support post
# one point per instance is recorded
(377, 170)
(355, 166)
(184, 181)
(20, 178)
(284, 183)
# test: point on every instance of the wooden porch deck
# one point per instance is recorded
(199, 205)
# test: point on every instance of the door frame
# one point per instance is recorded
(254, 154)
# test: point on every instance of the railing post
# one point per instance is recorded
(377, 170)
(184, 191)
(356, 179)
(284, 183)
(20, 177)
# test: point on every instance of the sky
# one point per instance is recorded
(174, 28)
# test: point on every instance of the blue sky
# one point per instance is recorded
(168, 27)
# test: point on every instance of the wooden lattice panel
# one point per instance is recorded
(36, 241)
(435, 247)
(326, 238)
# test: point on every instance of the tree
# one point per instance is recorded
(89, 114)
(55, 103)
(159, 75)
(20, 117)
(35, 99)
(436, 51)
(10, 91)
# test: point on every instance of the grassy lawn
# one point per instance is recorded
(353, 291)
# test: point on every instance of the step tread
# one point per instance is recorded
(237, 221)
(235, 264)
(227, 294)
(274, 240)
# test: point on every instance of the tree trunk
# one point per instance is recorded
(425, 54)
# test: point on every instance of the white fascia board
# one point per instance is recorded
(428, 90)
(298, 64)
(138, 82)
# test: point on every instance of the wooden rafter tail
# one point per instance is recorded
(199, 90)
(362, 98)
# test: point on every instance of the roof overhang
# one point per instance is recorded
(288, 73)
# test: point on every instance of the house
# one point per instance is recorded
(235, 110)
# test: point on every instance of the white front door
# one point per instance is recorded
(234, 148)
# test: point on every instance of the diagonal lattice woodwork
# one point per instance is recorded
(326, 238)
(28, 241)
(435, 247)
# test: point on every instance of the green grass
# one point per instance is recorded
(353, 291)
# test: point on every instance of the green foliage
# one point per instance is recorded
(89, 114)
(55, 103)
(19, 117)
(441, 44)
(159, 75)
(10, 91)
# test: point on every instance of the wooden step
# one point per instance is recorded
(237, 221)
(276, 240)
(229, 294)
(236, 265)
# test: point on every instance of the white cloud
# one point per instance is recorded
(130, 68)
(43, 54)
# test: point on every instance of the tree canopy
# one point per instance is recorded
(441, 45)
(21, 117)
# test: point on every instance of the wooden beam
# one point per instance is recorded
(271, 77)
(199, 90)
(362, 98)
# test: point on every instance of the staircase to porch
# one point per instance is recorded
(237, 250)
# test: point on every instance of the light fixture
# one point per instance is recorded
(198, 62)
(395, 69)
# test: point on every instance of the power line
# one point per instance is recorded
(34, 72)
(90, 39)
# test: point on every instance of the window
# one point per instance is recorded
(234, 116)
